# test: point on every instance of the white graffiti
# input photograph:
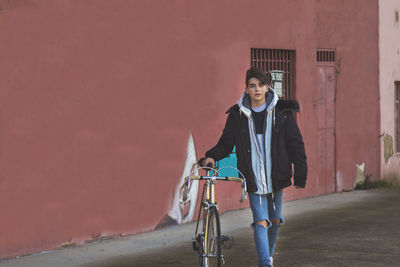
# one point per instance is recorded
(185, 198)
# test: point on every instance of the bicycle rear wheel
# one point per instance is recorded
(212, 256)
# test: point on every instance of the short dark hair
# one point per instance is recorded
(258, 73)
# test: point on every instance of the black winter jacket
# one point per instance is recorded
(287, 147)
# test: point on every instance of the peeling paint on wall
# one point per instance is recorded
(360, 177)
(388, 147)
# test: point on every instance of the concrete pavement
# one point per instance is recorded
(358, 228)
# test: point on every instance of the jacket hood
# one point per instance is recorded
(271, 99)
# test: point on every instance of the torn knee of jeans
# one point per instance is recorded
(277, 221)
(264, 223)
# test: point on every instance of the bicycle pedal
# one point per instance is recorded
(226, 241)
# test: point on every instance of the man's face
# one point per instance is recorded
(256, 90)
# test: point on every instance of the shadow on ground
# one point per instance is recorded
(358, 234)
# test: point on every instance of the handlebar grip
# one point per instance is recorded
(243, 195)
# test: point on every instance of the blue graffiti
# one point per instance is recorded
(229, 161)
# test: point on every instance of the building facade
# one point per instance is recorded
(389, 86)
(106, 105)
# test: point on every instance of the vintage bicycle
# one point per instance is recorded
(208, 242)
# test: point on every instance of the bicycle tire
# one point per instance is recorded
(212, 239)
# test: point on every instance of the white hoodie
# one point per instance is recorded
(261, 156)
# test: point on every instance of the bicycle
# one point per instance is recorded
(208, 242)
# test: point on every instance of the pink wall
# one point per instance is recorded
(97, 99)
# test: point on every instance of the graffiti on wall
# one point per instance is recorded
(185, 195)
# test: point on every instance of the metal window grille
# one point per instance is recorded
(281, 66)
(325, 55)
(397, 115)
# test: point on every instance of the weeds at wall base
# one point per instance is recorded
(386, 182)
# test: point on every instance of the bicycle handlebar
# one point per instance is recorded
(242, 181)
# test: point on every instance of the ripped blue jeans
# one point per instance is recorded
(266, 207)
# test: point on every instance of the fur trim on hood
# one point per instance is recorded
(288, 104)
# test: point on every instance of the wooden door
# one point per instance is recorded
(326, 80)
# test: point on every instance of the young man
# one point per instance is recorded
(268, 143)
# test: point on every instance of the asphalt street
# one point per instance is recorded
(358, 228)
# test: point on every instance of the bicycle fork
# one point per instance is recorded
(206, 246)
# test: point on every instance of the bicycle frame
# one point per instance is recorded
(209, 206)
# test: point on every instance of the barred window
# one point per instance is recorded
(325, 55)
(280, 65)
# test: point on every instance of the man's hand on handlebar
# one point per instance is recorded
(206, 162)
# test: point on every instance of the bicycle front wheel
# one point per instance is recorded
(212, 256)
